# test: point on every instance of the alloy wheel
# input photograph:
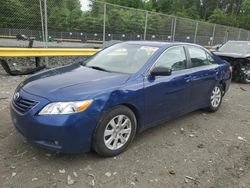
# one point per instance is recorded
(216, 97)
(117, 132)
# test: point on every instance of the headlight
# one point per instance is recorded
(19, 86)
(65, 107)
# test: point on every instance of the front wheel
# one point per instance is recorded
(114, 131)
(215, 99)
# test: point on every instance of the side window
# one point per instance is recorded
(173, 58)
(198, 56)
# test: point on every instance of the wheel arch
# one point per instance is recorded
(136, 113)
(130, 106)
(223, 85)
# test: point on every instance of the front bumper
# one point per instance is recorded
(64, 133)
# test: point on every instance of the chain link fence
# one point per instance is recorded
(21, 22)
(64, 23)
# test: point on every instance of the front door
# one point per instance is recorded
(168, 96)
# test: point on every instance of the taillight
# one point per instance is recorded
(231, 69)
(231, 72)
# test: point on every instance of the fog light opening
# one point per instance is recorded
(52, 142)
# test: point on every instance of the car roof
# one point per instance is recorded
(158, 44)
(149, 43)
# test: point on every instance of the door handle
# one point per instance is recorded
(188, 78)
(216, 70)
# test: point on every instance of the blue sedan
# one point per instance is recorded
(103, 102)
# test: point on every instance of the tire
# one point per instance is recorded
(215, 99)
(115, 131)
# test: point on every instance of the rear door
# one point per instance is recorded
(204, 75)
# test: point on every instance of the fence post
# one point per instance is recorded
(145, 26)
(212, 42)
(248, 35)
(41, 12)
(46, 30)
(46, 23)
(174, 28)
(239, 34)
(196, 31)
(226, 36)
(104, 22)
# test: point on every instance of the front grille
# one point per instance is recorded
(23, 105)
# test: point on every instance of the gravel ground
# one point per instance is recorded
(197, 150)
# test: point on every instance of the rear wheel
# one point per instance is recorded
(114, 132)
(215, 99)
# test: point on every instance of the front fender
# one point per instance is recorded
(130, 95)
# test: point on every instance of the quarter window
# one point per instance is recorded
(173, 58)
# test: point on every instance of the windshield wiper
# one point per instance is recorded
(98, 68)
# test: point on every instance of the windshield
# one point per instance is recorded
(242, 47)
(122, 58)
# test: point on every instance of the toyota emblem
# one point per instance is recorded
(16, 96)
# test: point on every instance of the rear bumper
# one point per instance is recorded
(63, 133)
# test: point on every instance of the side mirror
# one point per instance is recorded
(161, 71)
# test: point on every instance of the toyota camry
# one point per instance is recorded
(103, 102)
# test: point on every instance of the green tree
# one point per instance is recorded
(219, 17)
(13, 14)
(245, 15)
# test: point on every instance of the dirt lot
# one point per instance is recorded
(197, 150)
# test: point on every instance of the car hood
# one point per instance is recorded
(74, 82)
(234, 55)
